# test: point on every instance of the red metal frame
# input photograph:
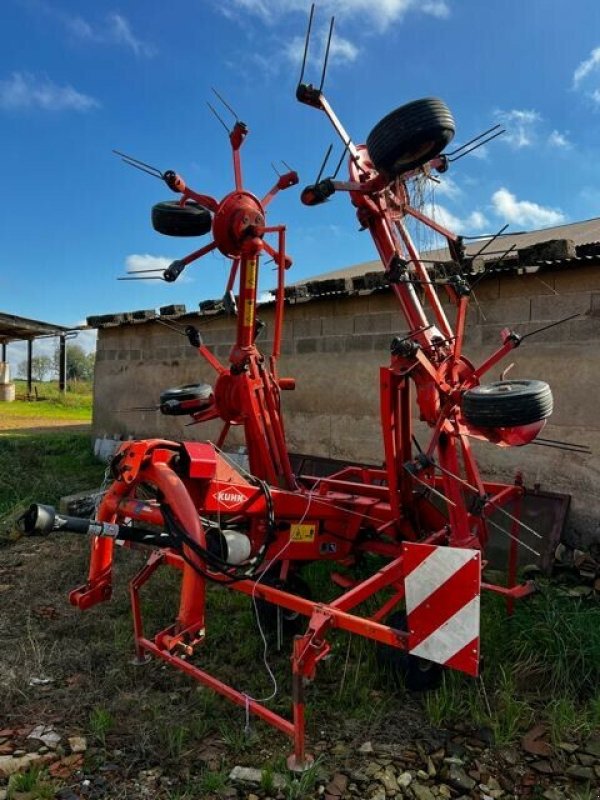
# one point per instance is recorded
(357, 510)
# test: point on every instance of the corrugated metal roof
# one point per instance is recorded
(585, 232)
(13, 328)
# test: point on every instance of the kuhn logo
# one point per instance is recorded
(229, 497)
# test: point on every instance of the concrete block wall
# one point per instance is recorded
(334, 348)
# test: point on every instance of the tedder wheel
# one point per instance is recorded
(174, 220)
(507, 404)
(272, 616)
(410, 136)
(414, 673)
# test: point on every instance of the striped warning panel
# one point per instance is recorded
(442, 587)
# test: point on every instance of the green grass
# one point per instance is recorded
(33, 784)
(75, 404)
(43, 468)
(543, 664)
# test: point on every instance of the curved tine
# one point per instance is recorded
(136, 162)
(475, 146)
(473, 140)
(327, 49)
(306, 42)
(225, 103)
(215, 112)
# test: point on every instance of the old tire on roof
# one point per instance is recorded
(410, 136)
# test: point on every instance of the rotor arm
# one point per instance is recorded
(174, 270)
(285, 182)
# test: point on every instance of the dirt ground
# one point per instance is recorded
(30, 424)
(72, 704)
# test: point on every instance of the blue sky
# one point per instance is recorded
(80, 78)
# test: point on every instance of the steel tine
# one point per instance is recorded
(473, 140)
(327, 49)
(146, 278)
(325, 160)
(475, 146)
(214, 111)
(275, 170)
(133, 161)
(306, 42)
(142, 169)
(340, 162)
(486, 269)
(286, 165)
(489, 241)
(226, 104)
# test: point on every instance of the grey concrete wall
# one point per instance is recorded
(334, 348)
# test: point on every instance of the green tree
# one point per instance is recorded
(40, 367)
(80, 365)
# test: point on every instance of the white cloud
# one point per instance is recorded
(524, 212)
(115, 29)
(521, 126)
(475, 221)
(560, 140)
(137, 262)
(447, 187)
(595, 95)
(23, 90)
(587, 66)
(341, 50)
(380, 14)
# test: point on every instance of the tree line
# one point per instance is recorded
(80, 365)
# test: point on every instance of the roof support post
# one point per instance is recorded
(62, 364)
(29, 370)
(3, 351)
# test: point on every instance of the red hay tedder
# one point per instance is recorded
(426, 512)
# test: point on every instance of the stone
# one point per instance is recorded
(46, 735)
(543, 767)
(366, 748)
(388, 778)
(254, 776)
(459, 779)
(421, 792)
(534, 744)
(78, 744)
(404, 780)
(592, 746)
(337, 785)
(580, 773)
(568, 747)
(553, 794)
(11, 764)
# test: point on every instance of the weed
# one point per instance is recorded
(267, 780)
(565, 718)
(101, 723)
(509, 713)
(172, 740)
(33, 783)
(235, 737)
(211, 782)
(299, 786)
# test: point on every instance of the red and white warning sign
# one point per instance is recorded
(442, 587)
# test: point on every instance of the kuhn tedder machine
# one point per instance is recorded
(426, 513)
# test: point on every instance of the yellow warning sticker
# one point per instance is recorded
(251, 273)
(248, 312)
(303, 533)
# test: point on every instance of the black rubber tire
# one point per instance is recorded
(292, 623)
(171, 219)
(406, 671)
(202, 392)
(507, 404)
(411, 136)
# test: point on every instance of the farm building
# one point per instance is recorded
(337, 334)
